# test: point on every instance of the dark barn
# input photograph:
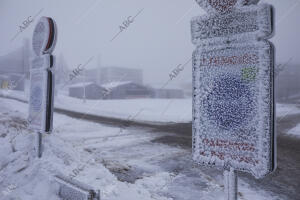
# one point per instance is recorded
(91, 90)
(126, 90)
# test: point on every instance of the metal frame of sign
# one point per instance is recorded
(50, 96)
(246, 23)
(253, 151)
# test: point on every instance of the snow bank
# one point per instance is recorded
(25, 177)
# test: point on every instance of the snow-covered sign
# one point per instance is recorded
(41, 76)
(234, 125)
(44, 36)
(246, 23)
(41, 94)
(223, 6)
(71, 189)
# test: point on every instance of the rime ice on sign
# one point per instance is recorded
(232, 126)
(247, 23)
(223, 6)
(38, 92)
(44, 36)
(41, 76)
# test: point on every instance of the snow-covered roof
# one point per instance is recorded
(163, 86)
(115, 84)
(2, 76)
(81, 84)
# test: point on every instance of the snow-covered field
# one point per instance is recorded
(149, 110)
(124, 165)
(146, 110)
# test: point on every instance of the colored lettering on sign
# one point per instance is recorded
(208, 60)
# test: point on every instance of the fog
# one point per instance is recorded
(118, 116)
(157, 41)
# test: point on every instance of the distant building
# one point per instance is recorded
(92, 75)
(187, 87)
(119, 74)
(287, 83)
(12, 81)
(126, 90)
(89, 89)
(167, 93)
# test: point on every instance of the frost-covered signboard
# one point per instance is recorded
(246, 23)
(233, 126)
(42, 79)
(41, 94)
(41, 76)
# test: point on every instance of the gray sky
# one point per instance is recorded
(157, 41)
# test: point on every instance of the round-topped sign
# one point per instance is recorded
(223, 6)
(44, 36)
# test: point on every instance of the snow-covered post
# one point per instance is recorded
(42, 80)
(230, 184)
(39, 146)
(233, 127)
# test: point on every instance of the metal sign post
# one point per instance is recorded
(42, 79)
(230, 179)
(233, 127)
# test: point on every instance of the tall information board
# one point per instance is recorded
(233, 124)
(42, 78)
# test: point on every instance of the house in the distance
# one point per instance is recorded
(126, 90)
(88, 90)
(166, 93)
(120, 74)
(287, 82)
(12, 81)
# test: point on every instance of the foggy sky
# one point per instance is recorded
(157, 41)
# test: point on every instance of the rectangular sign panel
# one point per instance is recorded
(248, 23)
(41, 94)
(233, 119)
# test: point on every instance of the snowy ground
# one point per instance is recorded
(125, 164)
